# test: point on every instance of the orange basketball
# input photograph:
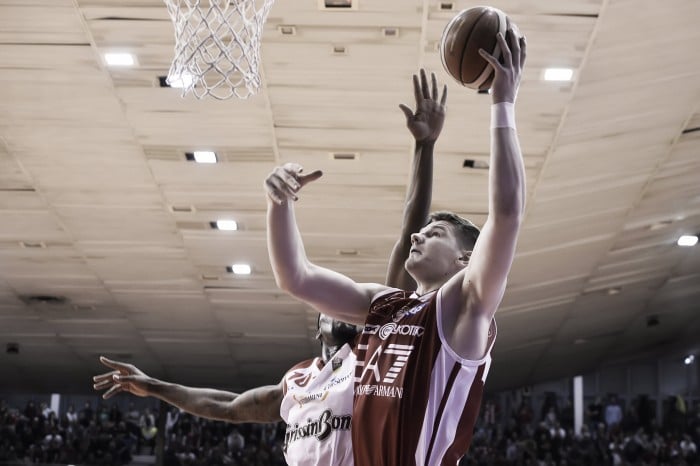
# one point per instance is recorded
(470, 30)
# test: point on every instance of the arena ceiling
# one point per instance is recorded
(106, 244)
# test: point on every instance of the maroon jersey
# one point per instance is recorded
(415, 400)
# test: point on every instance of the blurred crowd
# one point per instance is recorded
(194, 441)
(110, 436)
(107, 435)
(610, 435)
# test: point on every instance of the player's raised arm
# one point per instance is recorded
(425, 125)
(493, 254)
(472, 296)
(260, 404)
(330, 292)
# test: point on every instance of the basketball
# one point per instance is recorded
(464, 35)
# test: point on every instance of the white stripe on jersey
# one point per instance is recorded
(486, 370)
(444, 364)
(400, 347)
(447, 428)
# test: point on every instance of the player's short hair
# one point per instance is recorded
(340, 331)
(466, 231)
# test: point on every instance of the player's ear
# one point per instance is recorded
(464, 258)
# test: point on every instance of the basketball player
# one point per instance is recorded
(318, 432)
(314, 397)
(422, 357)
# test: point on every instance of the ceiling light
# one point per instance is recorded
(689, 359)
(687, 240)
(337, 4)
(180, 82)
(344, 155)
(390, 32)
(226, 225)
(287, 30)
(202, 156)
(240, 269)
(614, 291)
(558, 74)
(45, 299)
(32, 244)
(119, 59)
(473, 163)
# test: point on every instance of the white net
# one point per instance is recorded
(217, 46)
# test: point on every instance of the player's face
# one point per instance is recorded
(435, 251)
(334, 333)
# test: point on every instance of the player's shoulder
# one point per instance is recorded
(373, 290)
(384, 292)
(305, 365)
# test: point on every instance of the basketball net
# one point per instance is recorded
(217, 46)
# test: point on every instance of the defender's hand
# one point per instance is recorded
(124, 378)
(427, 121)
(284, 182)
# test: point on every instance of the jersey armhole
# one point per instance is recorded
(305, 364)
(449, 349)
(383, 293)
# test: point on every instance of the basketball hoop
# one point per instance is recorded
(217, 46)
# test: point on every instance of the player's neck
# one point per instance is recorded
(427, 280)
(427, 287)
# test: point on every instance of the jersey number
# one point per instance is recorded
(397, 355)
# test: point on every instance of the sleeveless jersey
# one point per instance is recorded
(416, 401)
(317, 407)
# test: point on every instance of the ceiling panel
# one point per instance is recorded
(101, 209)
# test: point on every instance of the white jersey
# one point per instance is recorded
(317, 407)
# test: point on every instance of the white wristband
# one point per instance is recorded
(503, 115)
